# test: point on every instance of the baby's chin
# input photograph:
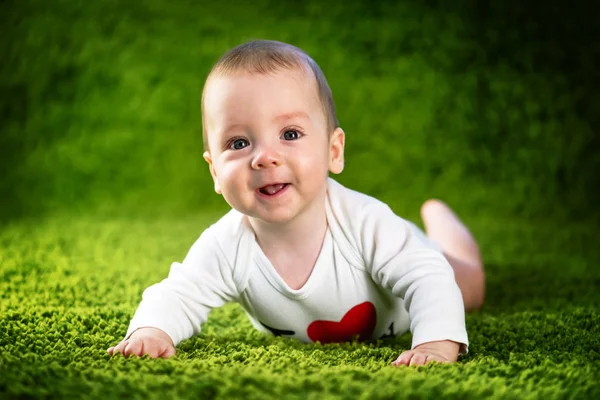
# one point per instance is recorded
(271, 218)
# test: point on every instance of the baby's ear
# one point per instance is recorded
(336, 151)
(211, 167)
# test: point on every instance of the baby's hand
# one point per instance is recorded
(152, 341)
(444, 351)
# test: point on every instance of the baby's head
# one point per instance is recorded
(266, 57)
(270, 131)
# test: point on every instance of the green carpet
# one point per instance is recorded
(491, 106)
(70, 286)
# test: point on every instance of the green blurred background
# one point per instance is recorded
(491, 106)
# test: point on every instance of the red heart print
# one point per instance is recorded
(359, 322)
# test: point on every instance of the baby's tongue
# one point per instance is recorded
(272, 189)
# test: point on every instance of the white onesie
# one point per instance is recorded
(377, 275)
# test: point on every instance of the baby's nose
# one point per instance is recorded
(266, 158)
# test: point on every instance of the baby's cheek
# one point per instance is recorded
(235, 190)
(230, 177)
(315, 171)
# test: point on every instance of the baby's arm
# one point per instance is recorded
(174, 309)
(402, 263)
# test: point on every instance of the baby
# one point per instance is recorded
(304, 256)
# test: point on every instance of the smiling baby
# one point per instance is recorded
(306, 257)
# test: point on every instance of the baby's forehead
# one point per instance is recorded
(243, 96)
(303, 76)
(281, 85)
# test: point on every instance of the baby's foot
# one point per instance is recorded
(460, 249)
(444, 227)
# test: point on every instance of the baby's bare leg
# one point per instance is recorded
(460, 249)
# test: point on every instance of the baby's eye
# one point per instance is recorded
(291, 134)
(238, 144)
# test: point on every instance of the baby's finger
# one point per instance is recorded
(418, 359)
(111, 350)
(169, 352)
(431, 358)
(120, 347)
(134, 347)
(404, 358)
(154, 350)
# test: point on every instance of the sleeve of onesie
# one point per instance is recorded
(180, 304)
(402, 263)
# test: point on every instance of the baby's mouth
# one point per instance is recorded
(272, 189)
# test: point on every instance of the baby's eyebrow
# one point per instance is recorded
(233, 127)
(292, 115)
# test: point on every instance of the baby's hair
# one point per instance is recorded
(266, 57)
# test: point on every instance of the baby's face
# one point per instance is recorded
(269, 148)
